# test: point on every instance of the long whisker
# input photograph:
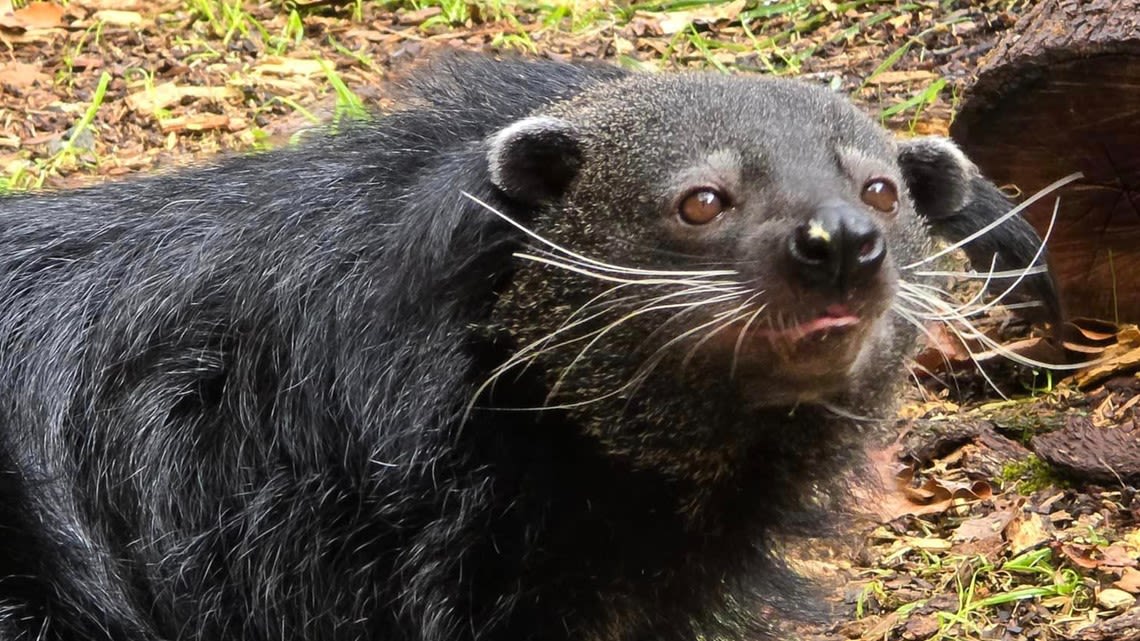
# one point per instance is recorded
(596, 263)
(972, 332)
(973, 300)
(542, 346)
(615, 279)
(1040, 250)
(960, 311)
(740, 338)
(621, 389)
(644, 310)
(1011, 273)
(969, 352)
(659, 354)
(1009, 214)
(920, 326)
(734, 315)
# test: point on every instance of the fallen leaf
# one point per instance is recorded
(37, 15)
(1114, 599)
(22, 75)
(673, 22)
(1027, 531)
(167, 94)
(119, 17)
(1111, 364)
(985, 527)
(279, 66)
(200, 122)
(900, 77)
(1129, 581)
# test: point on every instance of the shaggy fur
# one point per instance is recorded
(239, 401)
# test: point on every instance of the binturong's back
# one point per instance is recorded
(546, 352)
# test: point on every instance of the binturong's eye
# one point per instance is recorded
(702, 206)
(881, 194)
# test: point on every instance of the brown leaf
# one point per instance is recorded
(22, 75)
(677, 21)
(167, 94)
(920, 627)
(1080, 555)
(1129, 581)
(1118, 363)
(37, 15)
(986, 527)
(1028, 531)
(900, 77)
(200, 122)
(1090, 331)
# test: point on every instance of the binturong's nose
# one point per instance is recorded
(838, 248)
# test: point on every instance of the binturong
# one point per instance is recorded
(546, 352)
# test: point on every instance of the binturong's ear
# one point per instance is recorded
(949, 191)
(535, 159)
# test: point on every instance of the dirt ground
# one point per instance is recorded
(988, 518)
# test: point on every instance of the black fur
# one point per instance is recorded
(960, 207)
(231, 400)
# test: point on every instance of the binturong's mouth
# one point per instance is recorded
(835, 319)
(795, 357)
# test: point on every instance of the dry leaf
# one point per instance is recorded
(119, 17)
(22, 75)
(200, 122)
(900, 77)
(1028, 531)
(1129, 581)
(278, 66)
(37, 15)
(1114, 599)
(677, 21)
(167, 94)
(985, 527)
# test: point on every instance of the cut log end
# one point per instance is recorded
(1063, 95)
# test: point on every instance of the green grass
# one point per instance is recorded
(348, 104)
(68, 153)
(94, 33)
(1032, 575)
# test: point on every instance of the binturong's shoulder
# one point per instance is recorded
(482, 90)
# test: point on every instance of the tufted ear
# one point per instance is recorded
(957, 201)
(937, 174)
(535, 159)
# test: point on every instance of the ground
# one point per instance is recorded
(988, 518)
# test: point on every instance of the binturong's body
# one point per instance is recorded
(543, 354)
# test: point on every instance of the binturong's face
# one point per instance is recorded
(708, 235)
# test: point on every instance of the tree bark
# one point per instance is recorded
(1061, 93)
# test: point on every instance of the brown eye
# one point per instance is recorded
(881, 194)
(702, 206)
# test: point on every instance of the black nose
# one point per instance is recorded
(839, 247)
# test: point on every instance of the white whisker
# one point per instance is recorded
(972, 332)
(1009, 214)
(644, 310)
(615, 279)
(740, 339)
(1011, 273)
(599, 264)
(970, 353)
(734, 316)
(959, 313)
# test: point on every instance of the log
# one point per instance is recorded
(1061, 93)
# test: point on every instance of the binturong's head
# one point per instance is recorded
(732, 244)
